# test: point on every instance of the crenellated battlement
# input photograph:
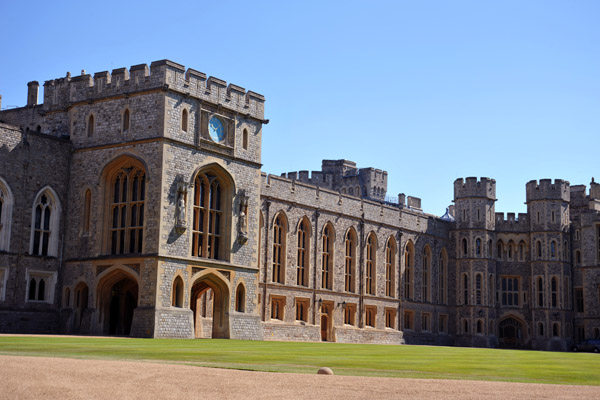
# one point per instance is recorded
(548, 190)
(511, 223)
(163, 74)
(473, 187)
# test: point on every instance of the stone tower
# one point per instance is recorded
(548, 210)
(475, 268)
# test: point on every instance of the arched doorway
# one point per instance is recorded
(209, 302)
(117, 298)
(511, 333)
(80, 304)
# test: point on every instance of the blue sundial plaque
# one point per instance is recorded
(216, 130)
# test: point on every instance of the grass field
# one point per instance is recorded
(344, 359)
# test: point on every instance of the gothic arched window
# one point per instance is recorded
(327, 258)
(45, 224)
(207, 221)
(349, 260)
(126, 209)
(390, 267)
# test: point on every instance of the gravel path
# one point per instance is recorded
(62, 378)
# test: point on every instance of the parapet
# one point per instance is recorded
(510, 223)
(163, 74)
(473, 187)
(547, 190)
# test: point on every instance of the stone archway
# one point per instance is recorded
(209, 302)
(511, 333)
(117, 295)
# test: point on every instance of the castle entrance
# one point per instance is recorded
(510, 333)
(209, 302)
(117, 298)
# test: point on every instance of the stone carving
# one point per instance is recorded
(180, 212)
(243, 218)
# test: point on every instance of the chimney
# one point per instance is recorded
(32, 93)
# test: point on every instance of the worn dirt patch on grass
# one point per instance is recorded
(53, 378)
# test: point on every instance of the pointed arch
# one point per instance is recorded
(511, 250)
(409, 263)
(91, 125)
(327, 248)
(240, 298)
(124, 183)
(220, 286)
(117, 296)
(6, 207)
(522, 250)
(45, 223)
(177, 292)
(371, 264)
(125, 121)
(390, 267)
(212, 190)
(500, 249)
(303, 231)
(184, 120)
(443, 277)
(426, 275)
(350, 243)
(280, 230)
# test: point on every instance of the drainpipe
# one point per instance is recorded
(315, 267)
(361, 226)
(266, 261)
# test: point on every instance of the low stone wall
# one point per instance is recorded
(245, 326)
(356, 335)
(36, 322)
(288, 332)
(176, 323)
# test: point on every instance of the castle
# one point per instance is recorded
(133, 203)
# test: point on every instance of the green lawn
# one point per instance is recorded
(344, 359)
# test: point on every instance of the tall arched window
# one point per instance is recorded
(87, 205)
(177, 292)
(128, 193)
(443, 278)
(426, 282)
(478, 289)
(6, 202)
(540, 290)
(409, 260)
(279, 252)
(465, 247)
(491, 291)
(500, 250)
(553, 249)
(511, 249)
(45, 224)
(554, 291)
(327, 258)
(390, 267)
(478, 247)
(302, 253)
(91, 125)
(522, 251)
(126, 120)
(538, 249)
(465, 282)
(371, 263)
(208, 220)
(184, 120)
(240, 298)
(350, 261)
(245, 139)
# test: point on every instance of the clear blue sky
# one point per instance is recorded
(428, 90)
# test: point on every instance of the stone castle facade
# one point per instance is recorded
(133, 203)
